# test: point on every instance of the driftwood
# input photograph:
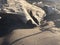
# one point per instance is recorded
(28, 11)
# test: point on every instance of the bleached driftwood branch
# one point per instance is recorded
(28, 11)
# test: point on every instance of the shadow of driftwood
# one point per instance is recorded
(9, 22)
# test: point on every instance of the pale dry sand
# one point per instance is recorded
(32, 37)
